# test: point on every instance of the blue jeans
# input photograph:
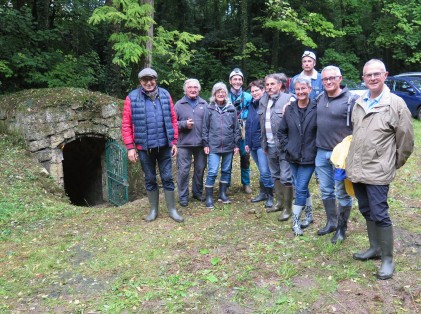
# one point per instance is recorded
(372, 203)
(301, 175)
(148, 161)
(261, 161)
(213, 166)
(328, 186)
(244, 163)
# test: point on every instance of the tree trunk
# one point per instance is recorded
(244, 31)
(149, 44)
(275, 49)
(40, 10)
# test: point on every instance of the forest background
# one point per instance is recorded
(101, 45)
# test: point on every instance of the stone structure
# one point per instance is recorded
(50, 119)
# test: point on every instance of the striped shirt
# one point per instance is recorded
(268, 125)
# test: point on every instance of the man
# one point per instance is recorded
(241, 101)
(271, 112)
(308, 62)
(333, 125)
(382, 141)
(190, 110)
(150, 133)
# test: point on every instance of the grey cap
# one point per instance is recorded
(147, 72)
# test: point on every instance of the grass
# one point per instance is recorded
(55, 257)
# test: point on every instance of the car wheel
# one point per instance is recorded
(418, 113)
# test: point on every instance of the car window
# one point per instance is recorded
(417, 84)
(401, 86)
(389, 84)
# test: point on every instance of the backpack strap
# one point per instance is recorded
(351, 101)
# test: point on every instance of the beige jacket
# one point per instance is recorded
(382, 140)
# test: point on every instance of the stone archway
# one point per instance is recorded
(65, 129)
(84, 171)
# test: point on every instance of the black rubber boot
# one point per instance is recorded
(287, 192)
(209, 197)
(153, 197)
(340, 234)
(269, 201)
(279, 198)
(385, 237)
(200, 198)
(331, 217)
(223, 193)
(261, 196)
(172, 211)
(373, 252)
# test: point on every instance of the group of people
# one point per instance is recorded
(290, 134)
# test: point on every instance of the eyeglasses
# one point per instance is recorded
(373, 75)
(148, 79)
(330, 78)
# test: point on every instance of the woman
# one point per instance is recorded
(221, 138)
(297, 135)
(253, 146)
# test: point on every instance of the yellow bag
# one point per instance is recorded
(338, 158)
(349, 188)
(340, 152)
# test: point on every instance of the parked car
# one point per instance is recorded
(358, 88)
(418, 74)
(409, 89)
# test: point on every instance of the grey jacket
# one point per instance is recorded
(382, 140)
(276, 115)
(184, 111)
(221, 132)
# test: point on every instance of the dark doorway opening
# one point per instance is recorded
(83, 169)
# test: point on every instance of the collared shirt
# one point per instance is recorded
(372, 102)
(192, 102)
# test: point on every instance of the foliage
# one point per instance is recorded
(347, 62)
(33, 57)
(132, 20)
(172, 53)
(298, 24)
(102, 45)
(399, 29)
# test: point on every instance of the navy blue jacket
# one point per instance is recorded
(148, 124)
(253, 130)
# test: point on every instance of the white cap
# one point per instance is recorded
(310, 54)
(236, 71)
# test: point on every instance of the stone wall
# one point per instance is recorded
(47, 119)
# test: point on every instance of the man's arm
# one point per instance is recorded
(174, 122)
(404, 136)
(127, 125)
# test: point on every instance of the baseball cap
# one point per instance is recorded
(147, 72)
(236, 71)
(310, 54)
